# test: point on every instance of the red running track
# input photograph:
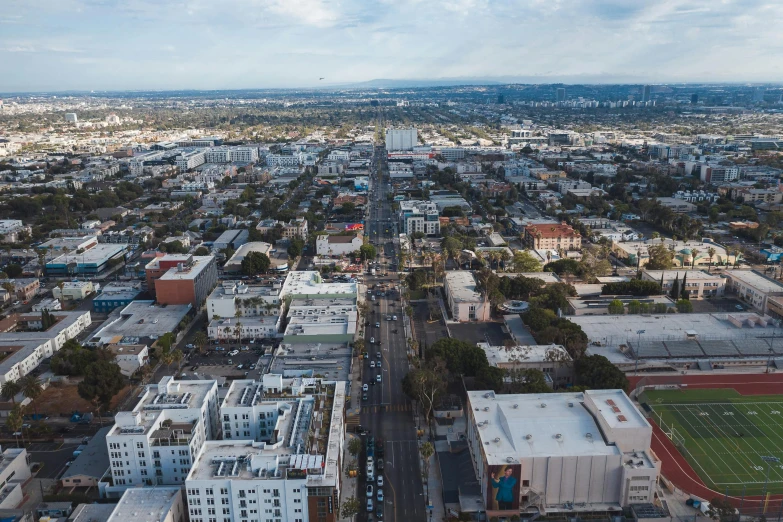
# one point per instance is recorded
(673, 465)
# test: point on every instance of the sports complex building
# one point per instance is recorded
(675, 342)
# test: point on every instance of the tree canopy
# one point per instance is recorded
(255, 263)
(596, 372)
(102, 381)
(635, 287)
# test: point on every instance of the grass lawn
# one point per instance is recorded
(723, 435)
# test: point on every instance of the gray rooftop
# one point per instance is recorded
(94, 460)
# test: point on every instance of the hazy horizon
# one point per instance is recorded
(142, 45)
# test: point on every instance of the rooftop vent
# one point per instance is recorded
(487, 395)
(588, 435)
(497, 439)
(570, 404)
(558, 436)
(528, 437)
(477, 409)
(486, 408)
(543, 405)
(516, 406)
(509, 459)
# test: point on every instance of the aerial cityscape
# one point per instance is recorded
(311, 278)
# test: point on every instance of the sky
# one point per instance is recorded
(56, 45)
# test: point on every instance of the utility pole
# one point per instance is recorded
(636, 351)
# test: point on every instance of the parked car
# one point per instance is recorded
(369, 490)
(365, 387)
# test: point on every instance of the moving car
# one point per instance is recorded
(365, 387)
(377, 325)
(378, 377)
(380, 495)
(369, 490)
(380, 481)
(372, 340)
(394, 318)
(372, 364)
(369, 505)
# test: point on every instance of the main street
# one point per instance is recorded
(387, 412)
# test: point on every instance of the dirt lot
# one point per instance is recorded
(57, 399)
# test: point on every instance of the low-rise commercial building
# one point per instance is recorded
(338, 244)
(698, 284)
(465, 301)
(73, 290)
(752, 287)
(234, 265)
(321, 320)
(235, 298)
(563, 452)
(153, 504)
(90, 465)
(139, 322)
(25, 289)
(238, 329)
(551, 359)
(635, 253)
(91, 261)
(115, 295)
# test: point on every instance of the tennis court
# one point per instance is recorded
(732, 441)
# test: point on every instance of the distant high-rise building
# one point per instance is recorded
(561, 94)
(647, 93)
(758, 94)
(401, 139)
(501, 99)
(694, 98)
(71, 117)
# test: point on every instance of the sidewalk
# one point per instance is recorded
(350, 485)
(433, 486)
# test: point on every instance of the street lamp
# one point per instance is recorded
(769, 460)
(638, 346)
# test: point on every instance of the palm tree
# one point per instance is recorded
(32, 388)
(505, 257)
(710, 254)
(694, 252)
(200, 340)
(9, 390)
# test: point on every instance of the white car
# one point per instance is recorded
(369, 505)
(380, 481)
(394, 318)
(369, 490)
(372, 340)
(372, 364)
(378, 377)
(365, 387)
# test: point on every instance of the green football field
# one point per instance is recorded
(724, 435)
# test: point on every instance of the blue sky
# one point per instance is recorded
(216, 44)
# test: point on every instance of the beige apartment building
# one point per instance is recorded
(551, 236)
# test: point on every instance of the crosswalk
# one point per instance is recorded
(386, 408)
(351, 421)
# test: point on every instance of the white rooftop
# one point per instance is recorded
(524, 354)
(692, 275)
(146, 504)
(462, 286)
(756, 280)
(310, 283)
(557, 424)
(188, 271)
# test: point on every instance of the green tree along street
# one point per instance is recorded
(350, 508)
(102, 381)
(255, 263)
(295, 248)
(596, 372)
(367, 251)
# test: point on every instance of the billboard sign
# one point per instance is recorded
(503, 488)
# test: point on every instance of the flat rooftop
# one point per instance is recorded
(554, 424)
(310, 284)
(756, 280)
(240, 290)
(247, 392)
(462, 286)
(191, 271)
(141, 319)
(248, 460)
(332, 361)
(126, 349)
(692, 275)
(170, 393)
(99, 253)
(524, 354)
(235, 263)
(612, 330)
(149, 504)
(546, 277)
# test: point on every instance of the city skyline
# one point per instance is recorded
(241, 44)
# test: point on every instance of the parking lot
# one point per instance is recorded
(217, 363)
(491, 333)
(53, 457)
(723, 304)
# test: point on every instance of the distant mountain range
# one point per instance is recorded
(383, 83)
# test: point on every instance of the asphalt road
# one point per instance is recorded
(387, 412)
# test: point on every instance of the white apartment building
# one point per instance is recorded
(280, 160)
(157, 442)
(190, 160)
(401, 139)
(257, 411)
(156, 504)
(238, 329)
(339, 155)
(581, 452)
(12, 229)
(464, 299)
(275, 481)
(419, 216)
(231, 154)
(14, 473)
(297, 227)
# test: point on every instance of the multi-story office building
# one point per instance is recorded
(181, 278)
(561, 94)
(280, 160)
(698, 284)
(401, 139)
(292, 477)
(583, 451)
(157, 442)
(647, 93)
(419, 216)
